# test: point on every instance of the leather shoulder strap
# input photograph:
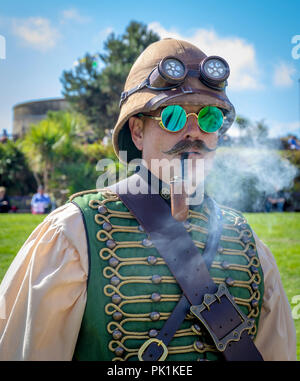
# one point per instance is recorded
(188, 267)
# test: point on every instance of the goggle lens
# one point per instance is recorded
(210, 119)
(173, 118)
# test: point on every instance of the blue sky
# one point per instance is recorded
(255, 37)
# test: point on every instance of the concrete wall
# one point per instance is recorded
(34, 111)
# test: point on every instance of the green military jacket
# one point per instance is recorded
(131, 292)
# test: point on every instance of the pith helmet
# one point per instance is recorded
(194, 86)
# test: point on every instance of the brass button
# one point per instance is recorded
(197, 327)
(117, 316)
(225, 265)
(254, 303)
(106, 226)
(154, 316)
(254, 286)
(187, 224)
(254, 269)
(146, 242)
(251, 252)
(229, 281)
(117, 334)
(110, 243)
(119, 351)
(156, 279)
(220, 250)
(152, 333)
(151, 260)
(116, 298)
(155, 297)
(242, 226)
(199, 345)
(113, 262)
(141, 229)
(102, 209)
(245, 238)
(115, 280)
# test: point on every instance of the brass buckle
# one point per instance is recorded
(235, 334)
(146, 345)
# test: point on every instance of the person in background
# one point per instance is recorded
(275, 201)
(293, 143)
(4, 201)
(40, 202)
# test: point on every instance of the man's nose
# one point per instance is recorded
(191, 129)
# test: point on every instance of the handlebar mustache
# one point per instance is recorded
(184, 145)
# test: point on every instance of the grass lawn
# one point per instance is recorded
(279, 231)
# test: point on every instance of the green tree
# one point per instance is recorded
(49, 142)
(15, 174)
(95, 90)
(242, 124)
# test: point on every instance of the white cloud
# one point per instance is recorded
(36, 32)
(239, 54)
(283, 75)
(73, 14)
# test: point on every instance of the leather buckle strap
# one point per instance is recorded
(221, 341)
(191, 272)
(159, 343)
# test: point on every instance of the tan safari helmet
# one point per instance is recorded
(194, 88)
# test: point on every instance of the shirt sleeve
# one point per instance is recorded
(43, 294)
(276, 335)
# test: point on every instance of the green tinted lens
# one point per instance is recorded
(173, 118)
(210, 119)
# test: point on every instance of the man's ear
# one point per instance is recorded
(136, 126)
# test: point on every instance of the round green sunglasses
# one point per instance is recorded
(173, 118)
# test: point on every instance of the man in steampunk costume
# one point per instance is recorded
(114, 275)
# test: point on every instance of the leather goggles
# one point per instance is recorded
(173, 118)
(171, 72)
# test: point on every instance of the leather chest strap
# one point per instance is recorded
(190, 271)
